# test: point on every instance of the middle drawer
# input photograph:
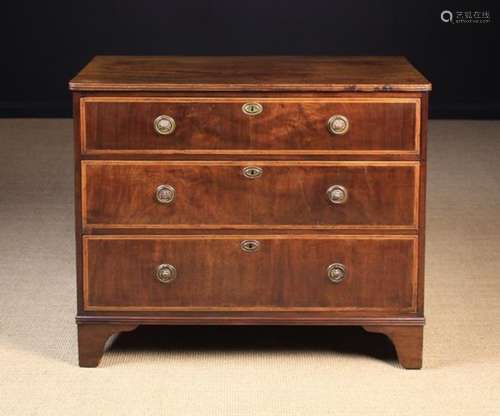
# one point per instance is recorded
(125, 194)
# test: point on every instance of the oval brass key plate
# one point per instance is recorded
(252, 172)
(250, 245)
(252, 109)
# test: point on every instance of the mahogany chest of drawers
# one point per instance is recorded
(250, 190)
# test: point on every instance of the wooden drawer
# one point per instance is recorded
(219, 126)
(218, 195)
(214, 273)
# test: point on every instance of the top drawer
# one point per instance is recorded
(226, 125)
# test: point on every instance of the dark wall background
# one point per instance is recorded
(45, 43)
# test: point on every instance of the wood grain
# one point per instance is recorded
(122, 234)
(422, 204)
(249, 73)
(213, 273)
(281, 317)
(217, 125)
(216, 194)
(407, 340)
(92, 339)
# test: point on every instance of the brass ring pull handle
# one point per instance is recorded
(337, 194)
(250, 245)
(165, 194)
(166, 273)
(338, 124)
(252, 172)
(336, 272)
(164, 125)
(252, 109)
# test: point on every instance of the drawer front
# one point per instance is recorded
(275, 195)
(123, 273)
(220, 126)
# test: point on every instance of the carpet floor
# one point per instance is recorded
(248, 371)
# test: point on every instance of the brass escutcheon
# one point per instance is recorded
(250, 245)
(252, 109)
(252, 172)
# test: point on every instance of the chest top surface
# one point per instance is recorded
(250, 73)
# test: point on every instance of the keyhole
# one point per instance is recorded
(252, 172)
(252, 109)
(250, 245)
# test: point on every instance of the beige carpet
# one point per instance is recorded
(248, 371)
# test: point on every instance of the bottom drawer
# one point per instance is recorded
(254, 273)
